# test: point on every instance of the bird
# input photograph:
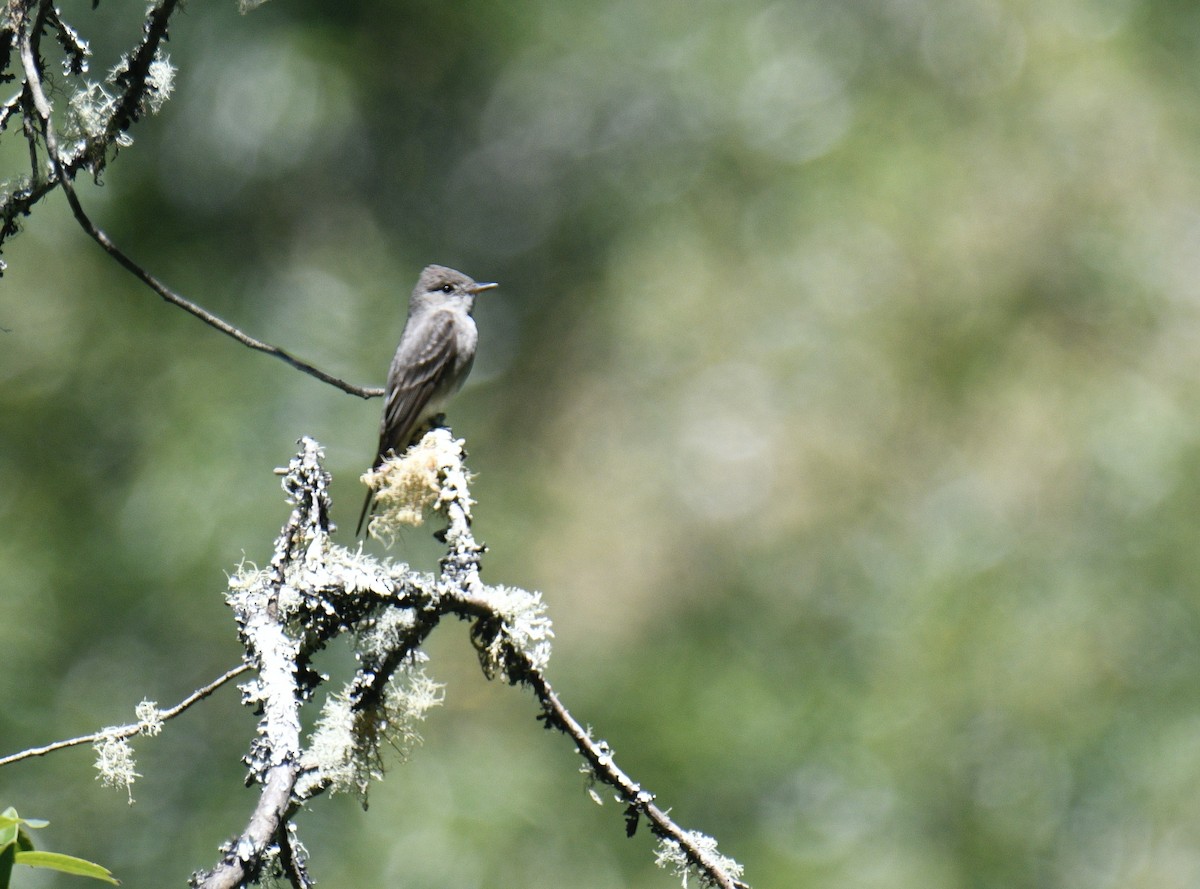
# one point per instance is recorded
(436, 351)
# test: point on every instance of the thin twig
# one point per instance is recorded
(133, 728)
(34, 83)
(600, 758)
(462, 594)
(198, 311)
(597, 754)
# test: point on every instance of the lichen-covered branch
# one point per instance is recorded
(512, 636)
(98, 115)
(314, 591)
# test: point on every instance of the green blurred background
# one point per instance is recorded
(841, 397)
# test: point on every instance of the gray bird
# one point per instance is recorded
(436, 351)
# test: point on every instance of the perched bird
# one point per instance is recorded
(436, 351)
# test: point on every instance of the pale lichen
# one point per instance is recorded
(149, 717)
(344, 751)
(419, 480)
(671, 854)
(115, 763)
(524, 627)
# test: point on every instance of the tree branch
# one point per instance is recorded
(135, 79)
(512, 658)
(312, 592)
(315, 590)
(135, 74)
(702, 855)
(134, 728)
(198, 311)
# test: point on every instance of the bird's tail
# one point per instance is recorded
(362, 516)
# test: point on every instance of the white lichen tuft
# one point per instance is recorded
(246, 575)
(89, 125)
(330, 567)
(456, 480)
(115, 764)
(385, 633)
(411, 704)
(160, 83)
(91, 109)
(525, 627)
(408, 486)
(247, 581)
(670, 854)
(356, 572)
(345, 747)
(149, 717)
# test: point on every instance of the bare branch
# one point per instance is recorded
(198, 311)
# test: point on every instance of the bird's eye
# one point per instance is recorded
(447, 288)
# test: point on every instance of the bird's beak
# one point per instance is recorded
(479, 288)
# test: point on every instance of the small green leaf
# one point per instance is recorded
(67, 864)
(12, 829)
(10, 816)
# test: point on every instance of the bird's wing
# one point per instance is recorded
(417, 375)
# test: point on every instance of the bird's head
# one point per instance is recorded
(439, 286)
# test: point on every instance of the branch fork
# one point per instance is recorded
(314, 591)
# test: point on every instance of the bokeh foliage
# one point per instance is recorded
(841, 397)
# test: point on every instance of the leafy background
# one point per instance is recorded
(841, 397)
